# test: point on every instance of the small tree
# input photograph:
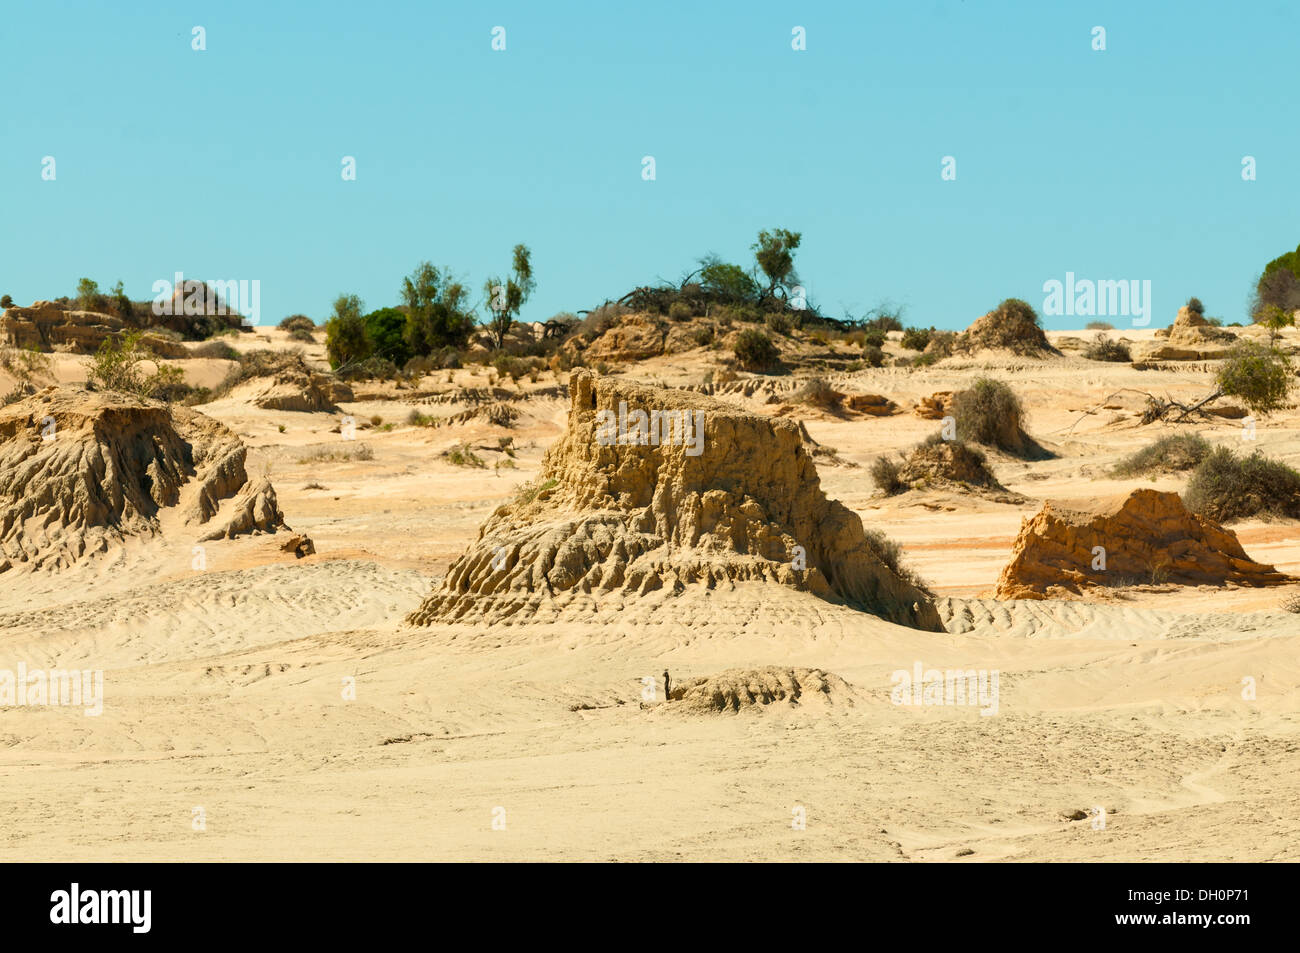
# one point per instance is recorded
(774, 251)
(121, 303)
(1275, 319)
(506, 298)
(345, 332)
(435, 311)
(87, 294)
(386, 332)
(725, 281)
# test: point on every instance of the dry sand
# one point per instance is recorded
(225, 688)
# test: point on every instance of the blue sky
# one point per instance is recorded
(1123, 164)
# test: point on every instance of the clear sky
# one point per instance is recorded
(225, 163)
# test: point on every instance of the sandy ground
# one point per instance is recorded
(227, 687)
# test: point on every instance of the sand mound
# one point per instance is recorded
(291, 384)
(80, 470)
(753, 689)
(1147, 537)
(1191, 338)
(1011, 326)
(737, 500)
(947, 462)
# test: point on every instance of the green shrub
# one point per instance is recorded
(1099, 326)
(755, 350)
(1194, 305)
(1261, 377)
(1227, 487)
(873, 337)
(874, 356)
(680, 311)
(386, 335)
(915, 339)
(1169, 454)
(703, 335)
(302, 335)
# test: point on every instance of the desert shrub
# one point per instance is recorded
(1194, 305)
(884, 474)
(463, 456)
(297, 322)
(989, 413)
(925, 360)
(680, 311)
(1261, 377)
(873, 337)
(1103, 348)
(884, 321)
(873, 356)
(1099, 326)
(1169, 454)
(755, 350)
(1292, 603)
(891, 554)
(215, 350)
(116, 365)
(940, 344)
(302, 336)
(778, 323)
(1016, 309)
(346, 341)
(599, 321)
(915, 339)
(6, 302)
(816, 392)
(1228, 487)
(337, 454)
(820, 337)
(703, 335)
(373, 368)
(857, 338)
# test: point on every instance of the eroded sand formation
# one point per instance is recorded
(81, 470)
(607, 517)
(1145, 537)
(740, 689)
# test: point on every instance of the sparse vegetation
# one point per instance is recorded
(1169, 454)
(337, 454)
(884, 473)
(755, 350)
(1260, 377)
(117, 365)
(916, 339)
(462, 456)
(989, 413)
(1228, 487)
(891, 554)
(297, 322)
(1103, 348)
